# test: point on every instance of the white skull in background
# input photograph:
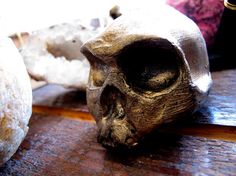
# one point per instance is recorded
(147, 68)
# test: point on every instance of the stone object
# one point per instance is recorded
(15, 99)
(53, 54)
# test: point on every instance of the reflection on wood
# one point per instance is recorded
(58, 96)
(62, 146)
(209, 131)
(62, 112)
(220, 107)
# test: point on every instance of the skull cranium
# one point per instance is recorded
(145, 72)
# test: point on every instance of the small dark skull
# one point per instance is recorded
(145, 72)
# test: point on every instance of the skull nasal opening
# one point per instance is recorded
(113, 102)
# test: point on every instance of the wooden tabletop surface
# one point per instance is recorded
(62, 139)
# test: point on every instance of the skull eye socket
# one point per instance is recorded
(149, 65)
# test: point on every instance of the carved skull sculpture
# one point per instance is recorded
(147, 68)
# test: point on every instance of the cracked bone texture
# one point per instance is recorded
(145, 72)
(53, 54)
(15, 99)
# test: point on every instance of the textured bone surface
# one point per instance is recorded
(53, 54)
(147, 68)
(15, 99)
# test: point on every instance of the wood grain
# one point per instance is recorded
(220, 108)
(62, 146)
(66, 113)
(57, 96)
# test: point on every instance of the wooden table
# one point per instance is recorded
(62, 139)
